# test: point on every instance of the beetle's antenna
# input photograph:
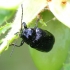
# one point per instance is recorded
(51, 19)
(12, 50)
(22, 23)
(37, 22)
(21, 15)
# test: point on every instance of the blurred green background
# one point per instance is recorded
(19, 60)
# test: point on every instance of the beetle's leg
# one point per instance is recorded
(22, 42)
(13, 44)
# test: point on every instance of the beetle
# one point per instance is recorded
(37, 38)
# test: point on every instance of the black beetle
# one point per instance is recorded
(37, 38)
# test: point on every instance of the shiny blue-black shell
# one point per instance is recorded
(37, 38)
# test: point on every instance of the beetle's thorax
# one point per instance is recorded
(28, 34)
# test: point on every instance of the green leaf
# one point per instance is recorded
(5, 15)
(4, 28)
(54, 59)
(67, 66)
